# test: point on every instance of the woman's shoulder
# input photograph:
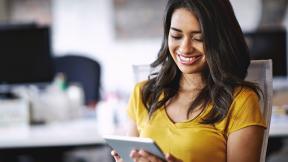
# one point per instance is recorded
(244, 111)
(138, 87)
(243, 97)
(243, 92)
(140, 84)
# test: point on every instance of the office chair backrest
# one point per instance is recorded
(141, 72)
(260, 72)
(82, 70)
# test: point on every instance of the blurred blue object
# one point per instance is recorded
(83, 70)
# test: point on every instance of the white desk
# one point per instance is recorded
(72, 133)
(279, 127)
(79, 132)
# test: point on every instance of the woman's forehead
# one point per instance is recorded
(184, 18)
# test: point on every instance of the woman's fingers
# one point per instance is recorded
(171, 158)
(149, 157)
(134, 154)
(137, 156)
(116, 156)
(114, 153)
(143, 156)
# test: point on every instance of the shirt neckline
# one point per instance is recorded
(184, 123)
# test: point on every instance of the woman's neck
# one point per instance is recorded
(191, 82)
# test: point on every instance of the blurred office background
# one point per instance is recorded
(119, 34)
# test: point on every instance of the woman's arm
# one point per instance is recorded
(132, 128)
(132, 131)
(245, 144)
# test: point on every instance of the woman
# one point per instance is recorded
(198, 106)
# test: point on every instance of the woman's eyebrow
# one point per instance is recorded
(178, 30)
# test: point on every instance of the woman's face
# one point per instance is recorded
(185, 42)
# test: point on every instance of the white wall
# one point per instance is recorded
(86, 26)
(248, 13)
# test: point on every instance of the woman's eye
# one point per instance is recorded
(176, 37)
(198, 38)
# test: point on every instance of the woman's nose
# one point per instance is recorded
(186, 46)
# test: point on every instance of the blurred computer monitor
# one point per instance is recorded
(25, 55)
(269, 44)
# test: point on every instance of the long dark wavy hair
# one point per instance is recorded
(226, 54)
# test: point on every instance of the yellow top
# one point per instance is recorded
(190, 140)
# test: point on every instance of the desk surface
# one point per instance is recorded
(74, 133)
(279, 126)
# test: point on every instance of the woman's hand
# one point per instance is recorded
(171, 158)
(143, 156)
(116, 156)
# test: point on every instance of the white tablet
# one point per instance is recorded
(124, 144)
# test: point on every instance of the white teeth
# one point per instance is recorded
(185, 59)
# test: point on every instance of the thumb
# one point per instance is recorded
(115, 155)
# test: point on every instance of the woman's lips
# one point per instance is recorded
(188, 59)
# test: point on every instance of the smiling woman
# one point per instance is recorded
(185, 42)
(198, 102)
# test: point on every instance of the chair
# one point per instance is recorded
(141, 72)
(82, 70)
(260, 72)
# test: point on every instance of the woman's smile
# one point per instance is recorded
(188, 59)
(185, 42)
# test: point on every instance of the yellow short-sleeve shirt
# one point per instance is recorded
(191, 141)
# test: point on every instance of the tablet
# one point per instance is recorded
(124, 144)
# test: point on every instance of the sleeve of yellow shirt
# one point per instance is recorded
(245, 111)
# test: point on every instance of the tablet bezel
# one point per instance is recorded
(124, 144)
